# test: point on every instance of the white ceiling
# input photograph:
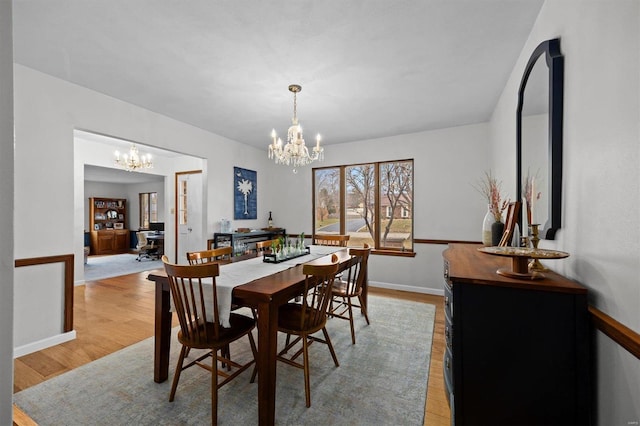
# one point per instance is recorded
(368, 68)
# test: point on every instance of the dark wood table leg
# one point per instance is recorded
(267, 350)
(162, 344)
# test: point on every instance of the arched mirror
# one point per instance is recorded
(539, 139)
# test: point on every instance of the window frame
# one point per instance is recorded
(152, 198)
(404, 212)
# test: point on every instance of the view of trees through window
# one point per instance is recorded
(371, 202)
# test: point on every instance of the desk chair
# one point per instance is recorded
(200, 326)
(350, 287)
(306, 318)
(146, 249)
(331, 240)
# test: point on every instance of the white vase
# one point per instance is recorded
(486, 226)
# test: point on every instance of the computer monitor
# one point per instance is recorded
(156, 226)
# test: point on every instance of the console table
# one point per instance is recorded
(231, 239)
(517, 351)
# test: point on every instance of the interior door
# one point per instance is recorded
(189, 228)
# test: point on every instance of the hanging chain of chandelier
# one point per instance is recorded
(133, 161)
(295, 152)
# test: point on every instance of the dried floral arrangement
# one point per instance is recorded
(489, 187)
(531, 195)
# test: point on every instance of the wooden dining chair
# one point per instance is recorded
(308, 317)
(218, 255)
(262, 246)
(513, 210)
(331, 240)
(350, 287)
(200, 326)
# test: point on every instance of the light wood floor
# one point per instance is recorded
(113, 313)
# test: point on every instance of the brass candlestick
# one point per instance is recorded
(534, 264)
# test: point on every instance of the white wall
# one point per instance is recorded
(600, 41)
(6, 212)
(447, 163)
(47, 110)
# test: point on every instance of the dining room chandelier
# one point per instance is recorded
(133, 161)
(295, 151)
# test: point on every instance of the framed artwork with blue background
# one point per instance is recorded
(245, 194)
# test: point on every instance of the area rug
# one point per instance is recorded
(381, 380)
(100, 267)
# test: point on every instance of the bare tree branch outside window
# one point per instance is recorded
(396, 184)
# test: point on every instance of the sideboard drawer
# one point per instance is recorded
(448, 331)
(447, 367)
(448, 300)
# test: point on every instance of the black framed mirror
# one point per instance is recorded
(539, 139)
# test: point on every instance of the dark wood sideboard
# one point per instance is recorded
(517, 352)
(230, 239)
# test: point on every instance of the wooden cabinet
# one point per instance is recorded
(107, 220)
(517, 352)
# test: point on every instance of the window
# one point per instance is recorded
(148, 208)
(371, 202)
(182, 203)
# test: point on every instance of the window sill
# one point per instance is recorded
(398, 253)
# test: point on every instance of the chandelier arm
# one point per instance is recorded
(133, 161)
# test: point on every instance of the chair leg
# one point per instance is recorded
(254, 350)
(353, 331)
(286, 342)
(328, 340)
(226, 353)
(214, 390)
(363, 308)
(307, 385)
(176, 375)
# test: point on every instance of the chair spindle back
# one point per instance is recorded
(220, 254)
(188, 288)
(315, 305)
(357, 272)
(331, 240)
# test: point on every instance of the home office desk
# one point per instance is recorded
(265, 295)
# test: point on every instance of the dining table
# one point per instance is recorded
(265, 294)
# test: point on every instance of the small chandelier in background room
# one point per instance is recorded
(294, 152)
(133, 161)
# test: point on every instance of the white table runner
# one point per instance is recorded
(235, 274)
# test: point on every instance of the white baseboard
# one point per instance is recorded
(43, 344)
(400, 287)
